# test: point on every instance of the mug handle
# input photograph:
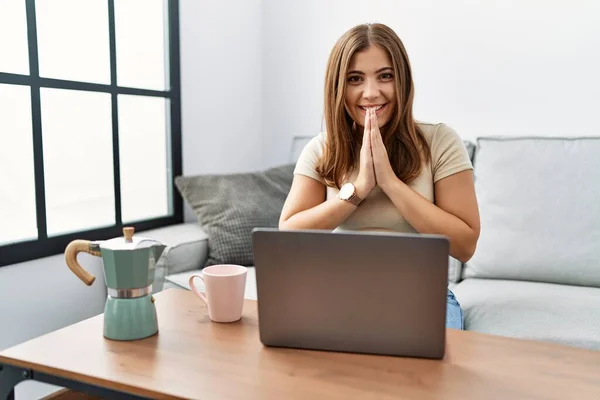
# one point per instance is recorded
(195, 289)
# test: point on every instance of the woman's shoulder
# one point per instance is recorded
(434, 132)
(316, 143)
(448, 151)
(311, 147)
(321, 137)
(311, 153)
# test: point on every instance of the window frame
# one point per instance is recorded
(44, 246)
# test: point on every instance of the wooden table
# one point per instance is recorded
(194, 358)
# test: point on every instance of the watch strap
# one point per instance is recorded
(354, 199)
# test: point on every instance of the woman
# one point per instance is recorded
(376, 168)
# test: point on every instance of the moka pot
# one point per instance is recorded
(129, 264)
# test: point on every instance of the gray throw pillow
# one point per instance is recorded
(230, 206)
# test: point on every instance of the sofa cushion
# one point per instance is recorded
(454, 270)
(539, 202)
(230, 206)
(563, 314)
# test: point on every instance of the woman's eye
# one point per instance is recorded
(354, 79)
(386, 76)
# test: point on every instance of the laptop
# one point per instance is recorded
(359, 292)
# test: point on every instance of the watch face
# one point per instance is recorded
(346, 191)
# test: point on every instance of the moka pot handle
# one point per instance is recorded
(76, 247)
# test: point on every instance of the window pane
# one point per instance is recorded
(78, 160)
(17, 181)
(73, 40)
(13, 37)
(143, 150)
(141, 43)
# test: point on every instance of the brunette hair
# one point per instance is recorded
(406, 146)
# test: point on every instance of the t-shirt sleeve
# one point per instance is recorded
(309, 157)
(449, 153)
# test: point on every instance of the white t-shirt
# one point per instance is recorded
(448, 156)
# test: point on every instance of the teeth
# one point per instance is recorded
(373, 108)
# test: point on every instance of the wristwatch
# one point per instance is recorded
(348, 193)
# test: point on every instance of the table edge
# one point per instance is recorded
(86, 379)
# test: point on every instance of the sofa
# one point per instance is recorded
(536, 272)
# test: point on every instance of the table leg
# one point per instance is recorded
(9, 378)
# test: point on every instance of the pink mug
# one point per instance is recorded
(224, 285)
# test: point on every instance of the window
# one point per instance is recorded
(90, 126)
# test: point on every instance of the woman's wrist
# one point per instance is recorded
(394, 187)
(362, 189)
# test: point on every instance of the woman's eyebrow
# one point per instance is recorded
(362, 73)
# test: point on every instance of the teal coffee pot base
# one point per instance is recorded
(130, 319)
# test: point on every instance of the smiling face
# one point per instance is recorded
(370, 83)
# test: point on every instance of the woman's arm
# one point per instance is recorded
(455, 213)
(306, 207)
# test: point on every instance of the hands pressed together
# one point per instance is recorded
(375, 168)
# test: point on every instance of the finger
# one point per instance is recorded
(371, 133)
(366, 134)
(374, 141)
(378, 140)
(374, 127)
(374, 122)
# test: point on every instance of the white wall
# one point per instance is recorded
(483, 67)
(221, 86)
(43, 295)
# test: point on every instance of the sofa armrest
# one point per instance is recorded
(187, 249)
(455, 268)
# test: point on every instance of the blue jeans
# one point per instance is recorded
(454, 314)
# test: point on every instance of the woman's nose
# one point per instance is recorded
(371, 89)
